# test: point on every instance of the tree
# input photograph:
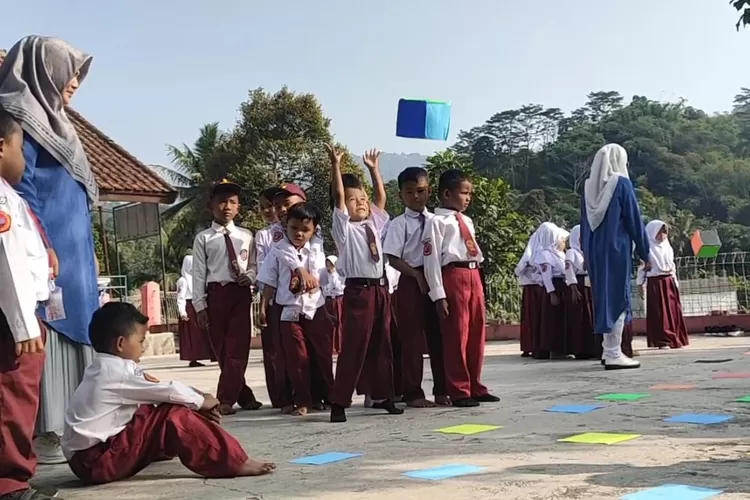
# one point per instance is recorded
(743, 7)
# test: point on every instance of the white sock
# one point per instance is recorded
(611, 341)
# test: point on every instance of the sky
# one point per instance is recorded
(164, 68)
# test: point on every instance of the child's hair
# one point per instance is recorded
(113, 320)
(304, 211)
(350, 181)
(450, 180)
(411, 174)
(8, 124)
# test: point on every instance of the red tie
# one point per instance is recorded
(295, 280)
(372, 243)
(234, 266)
(471, 245)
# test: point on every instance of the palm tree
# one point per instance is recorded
(189, 171)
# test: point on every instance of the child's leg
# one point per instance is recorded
(157, 432)
(298, 362)
(357, 320)
(458, 284)
(435, 350)
(411, 334)
(319, 343)
(477, 332)
(232, 386)
(378, 369)
(19, 402)
(270, 359)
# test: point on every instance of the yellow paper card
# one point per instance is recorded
(468, 429)
(599, 438)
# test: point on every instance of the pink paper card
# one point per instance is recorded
(732, 375)
(672, 387)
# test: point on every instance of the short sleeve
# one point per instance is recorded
(379, 217)
(269, 271)
(340, 227)
(393, 244)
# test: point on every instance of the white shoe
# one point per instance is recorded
(48, 450)
(621, 363)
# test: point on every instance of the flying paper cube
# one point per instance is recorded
(423, 119)
(705, 243)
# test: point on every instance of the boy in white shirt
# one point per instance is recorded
(305, 331)
(24, 268)
(452, 262)
(366, 360)
(417, 321)
(332, 285)
(224, 271)
(121, 419)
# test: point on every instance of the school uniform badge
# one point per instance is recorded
(276, 236)
(427, 248)
(243, 254)
(5, 222)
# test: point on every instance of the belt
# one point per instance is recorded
(365, 282)
(472, 264)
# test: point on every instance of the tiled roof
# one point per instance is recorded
(120, 175)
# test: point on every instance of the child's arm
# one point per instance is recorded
(337, 185)
(432, 245)
(547, 278)
(372, 161)
(182, 298)
(251, 271)
(136, 389)
(570, 274)
(199, 273)
(18, 298)
(265, 299)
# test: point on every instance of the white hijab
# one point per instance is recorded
(546, 252)
(574, 255)
(661, 253)
(187, 273)
(527, 253)
(610, 163)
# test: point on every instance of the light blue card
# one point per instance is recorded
(443, 472)
(693, 418)
(574, 408)
(325, 458)
(673, 492)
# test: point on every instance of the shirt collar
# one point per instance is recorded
(220, 229)
(444, 211)
(414, 214)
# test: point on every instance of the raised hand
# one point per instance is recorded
(335, 155)
(372, 158)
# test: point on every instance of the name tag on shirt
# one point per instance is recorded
(290, 313)
(54, 309)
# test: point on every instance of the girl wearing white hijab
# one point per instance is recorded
(579, 314)
(665, 324)
(548, 257)
(194, 342)
(610, 225)
(532, 296)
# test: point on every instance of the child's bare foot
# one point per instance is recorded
(301, 411)
(287, 410)
(255, 468)
(420, 403)
(226, 409)
(443, 401)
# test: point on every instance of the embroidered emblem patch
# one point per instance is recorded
(3, 200)
(426, 248)
(544, 268)
(150, 378)
(5, 222)
(277, 235)
(243, 254)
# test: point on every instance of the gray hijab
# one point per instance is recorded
(35, 72)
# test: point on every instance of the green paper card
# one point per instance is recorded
(599, 438)
(622, 396)
(743, 399)
(468, 429)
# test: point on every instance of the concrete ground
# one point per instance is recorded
(523, 460)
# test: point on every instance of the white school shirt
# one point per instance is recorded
(263, 243)
(332, 284)
(642, 275)
(183, 293)
(24, 267)
(530, 276)
(355, 260)
(549, 272)
(278, 275)
(211, 259)
(403, 238)
(393, 276)
(105, 401)
(288, 255)
(443, 245)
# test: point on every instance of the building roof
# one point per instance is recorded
(119, 174)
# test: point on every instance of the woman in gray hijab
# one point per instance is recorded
(38, 78)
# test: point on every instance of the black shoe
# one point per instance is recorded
(30, 494)
(196, 364)
(338, 414)
(388, 406)
(526, 355)
(466, 403)
(486, 398)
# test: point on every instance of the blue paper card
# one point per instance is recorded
(574, 408)
(325, 458)
(443, 472)
(694, 418)
(673, 492)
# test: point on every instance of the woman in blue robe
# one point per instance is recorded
(37, 80)
(611, 227)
